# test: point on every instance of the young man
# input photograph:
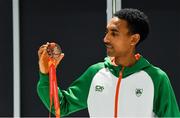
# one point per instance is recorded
(125, 84)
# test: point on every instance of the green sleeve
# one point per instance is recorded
(165, 104)
(75, 97)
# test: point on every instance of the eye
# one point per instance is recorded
(114, 34)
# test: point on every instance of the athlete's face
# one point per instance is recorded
(119, 42)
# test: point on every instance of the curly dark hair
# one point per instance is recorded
(137, 21)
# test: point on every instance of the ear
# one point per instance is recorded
(135, 39)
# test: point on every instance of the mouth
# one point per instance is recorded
(108, 46)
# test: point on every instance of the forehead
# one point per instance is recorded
(116, 23)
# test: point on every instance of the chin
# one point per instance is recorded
(110, 54)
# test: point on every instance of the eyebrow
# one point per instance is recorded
(112, 29)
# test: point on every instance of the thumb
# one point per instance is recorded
(60, 58)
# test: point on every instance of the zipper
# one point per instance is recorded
(117, 93)
(137, 56)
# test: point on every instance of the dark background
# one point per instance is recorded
(6, 58)
(162, 47)
(78, 26)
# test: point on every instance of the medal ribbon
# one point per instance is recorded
(53, 89)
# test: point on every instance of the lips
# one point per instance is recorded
(108, 46)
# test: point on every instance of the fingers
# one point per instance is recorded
(43, 56)
(42, 49)
(60, 58)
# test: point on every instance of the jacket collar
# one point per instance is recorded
(140, 64)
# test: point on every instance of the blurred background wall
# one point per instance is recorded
(78, 26)
(6, 58)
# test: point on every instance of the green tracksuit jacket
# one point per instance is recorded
(145, 91)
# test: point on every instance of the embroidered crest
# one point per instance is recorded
(138, 92)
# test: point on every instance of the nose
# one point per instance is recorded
(106, 39)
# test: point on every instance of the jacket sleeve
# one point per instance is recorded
(165, 102)
(74, 98)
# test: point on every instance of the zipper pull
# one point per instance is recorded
(121, 73)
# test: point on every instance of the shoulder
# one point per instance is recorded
(95, 67)
(157, 74)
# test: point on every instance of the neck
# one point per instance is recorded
(125, 61)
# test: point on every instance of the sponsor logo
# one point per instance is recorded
(99, 88)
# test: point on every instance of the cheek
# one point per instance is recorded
(122, 45)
